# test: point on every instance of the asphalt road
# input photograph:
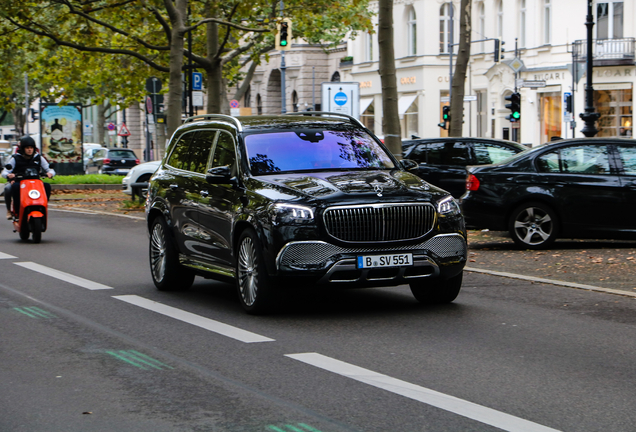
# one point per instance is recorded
(88, 344)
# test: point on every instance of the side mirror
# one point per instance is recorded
(221, 175)
(408, 164)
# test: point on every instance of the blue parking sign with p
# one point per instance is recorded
(197, 81)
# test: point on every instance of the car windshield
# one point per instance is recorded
(314, 149)
(121, 154)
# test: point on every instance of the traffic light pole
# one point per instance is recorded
(589, 117)
(283, 104)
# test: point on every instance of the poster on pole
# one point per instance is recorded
(61, 130)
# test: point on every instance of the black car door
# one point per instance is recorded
(626, 161)
(223, 203)
(443, 164)
(583, 186)
(176, 182)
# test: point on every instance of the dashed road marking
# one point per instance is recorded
(6, 256)
(196, 320)
(443, 401)
(66, 277)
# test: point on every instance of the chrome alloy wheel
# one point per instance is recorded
(533, 226)
(248, 271)
(158, 253)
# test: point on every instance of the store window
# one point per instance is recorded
(551, 116)
(615, 108)
(368, 117)
(408, 110)
(609, 20)
(259, 104)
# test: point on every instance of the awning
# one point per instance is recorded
(404, 103)
(364, 104)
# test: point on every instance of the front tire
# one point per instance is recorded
(36, 229)
(254, 285)
(167, 273)
(437, 291)
(24, 231)
(533, 226)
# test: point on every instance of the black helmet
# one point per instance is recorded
(26, 141)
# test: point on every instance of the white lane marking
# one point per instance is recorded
(66, 277)
(197, 320)
(97, 212)
(6, 256)
(455, 405)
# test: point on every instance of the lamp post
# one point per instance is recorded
(589, 116)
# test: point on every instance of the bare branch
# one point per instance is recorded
(229, 24)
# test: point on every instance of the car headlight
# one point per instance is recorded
(448, 206)
(282, 213)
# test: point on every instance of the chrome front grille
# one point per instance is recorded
(379, 222)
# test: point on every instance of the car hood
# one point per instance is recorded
(337, 186)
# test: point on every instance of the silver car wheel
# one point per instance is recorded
(533, 226)
(158, 253)
(248, 271)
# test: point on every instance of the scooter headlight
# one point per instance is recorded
(34, 194)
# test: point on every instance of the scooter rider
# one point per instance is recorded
(25, 158)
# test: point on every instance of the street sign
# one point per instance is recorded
(153, 85)
(533, 84)
(197, 98)
(470, 98)
(148, 104)
(197, 81)
(111, 126)
(234, 103)
(516, 64)
(123, 131)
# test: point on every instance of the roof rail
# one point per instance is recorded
(327, 113)
(215, 116)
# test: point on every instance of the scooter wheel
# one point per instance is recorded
(24, 232)
(36, 228)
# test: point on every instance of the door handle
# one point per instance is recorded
(204, 193)
(174, 186)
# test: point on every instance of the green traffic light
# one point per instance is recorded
(283, 43)
(516, 114)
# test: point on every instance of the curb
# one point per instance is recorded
(116, 186)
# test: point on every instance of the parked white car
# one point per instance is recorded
(139, 174)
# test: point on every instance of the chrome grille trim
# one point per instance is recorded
(295, 255)
(380, 222)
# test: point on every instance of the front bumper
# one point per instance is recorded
(443, 256)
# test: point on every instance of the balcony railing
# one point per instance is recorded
(606, 51)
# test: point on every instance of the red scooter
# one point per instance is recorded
(33, 206)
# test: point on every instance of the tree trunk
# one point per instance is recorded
(177, 12)
(459, 77)
(100, 121)
(391, 117)
(18, 120)
(215, 70)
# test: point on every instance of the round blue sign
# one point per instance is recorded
(340, 98)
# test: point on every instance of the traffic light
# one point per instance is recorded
(514, 106)
(283, 34)
(445, 117)
(499, 50)
(568, 103)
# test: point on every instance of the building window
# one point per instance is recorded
(259, 104)
(445, 35)
(482, 114)
(294, 101)
(615, 108)
(547, 21)
(500, 21)
(412, 33)
(522, 24)
(551, 115)
(609, 19)
(369, 46)
(410, 121)
(482, 25)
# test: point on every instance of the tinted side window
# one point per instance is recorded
(224, 153)
(448, 153)
(584, 159)
(179, 156)
(492, 153)
(418, 154)
(627, 155)
(199, 151)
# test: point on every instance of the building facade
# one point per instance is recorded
(550, 40)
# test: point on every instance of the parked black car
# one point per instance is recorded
(443, 161)
(297, 200)
(577, 188)
(111, 161)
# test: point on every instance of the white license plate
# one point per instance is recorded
(123, 170)
(388, 260)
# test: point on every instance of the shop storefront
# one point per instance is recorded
(550, 103)
(614, 103)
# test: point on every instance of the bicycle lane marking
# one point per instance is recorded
(196, 320)
(443, 401)
(66, 277)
